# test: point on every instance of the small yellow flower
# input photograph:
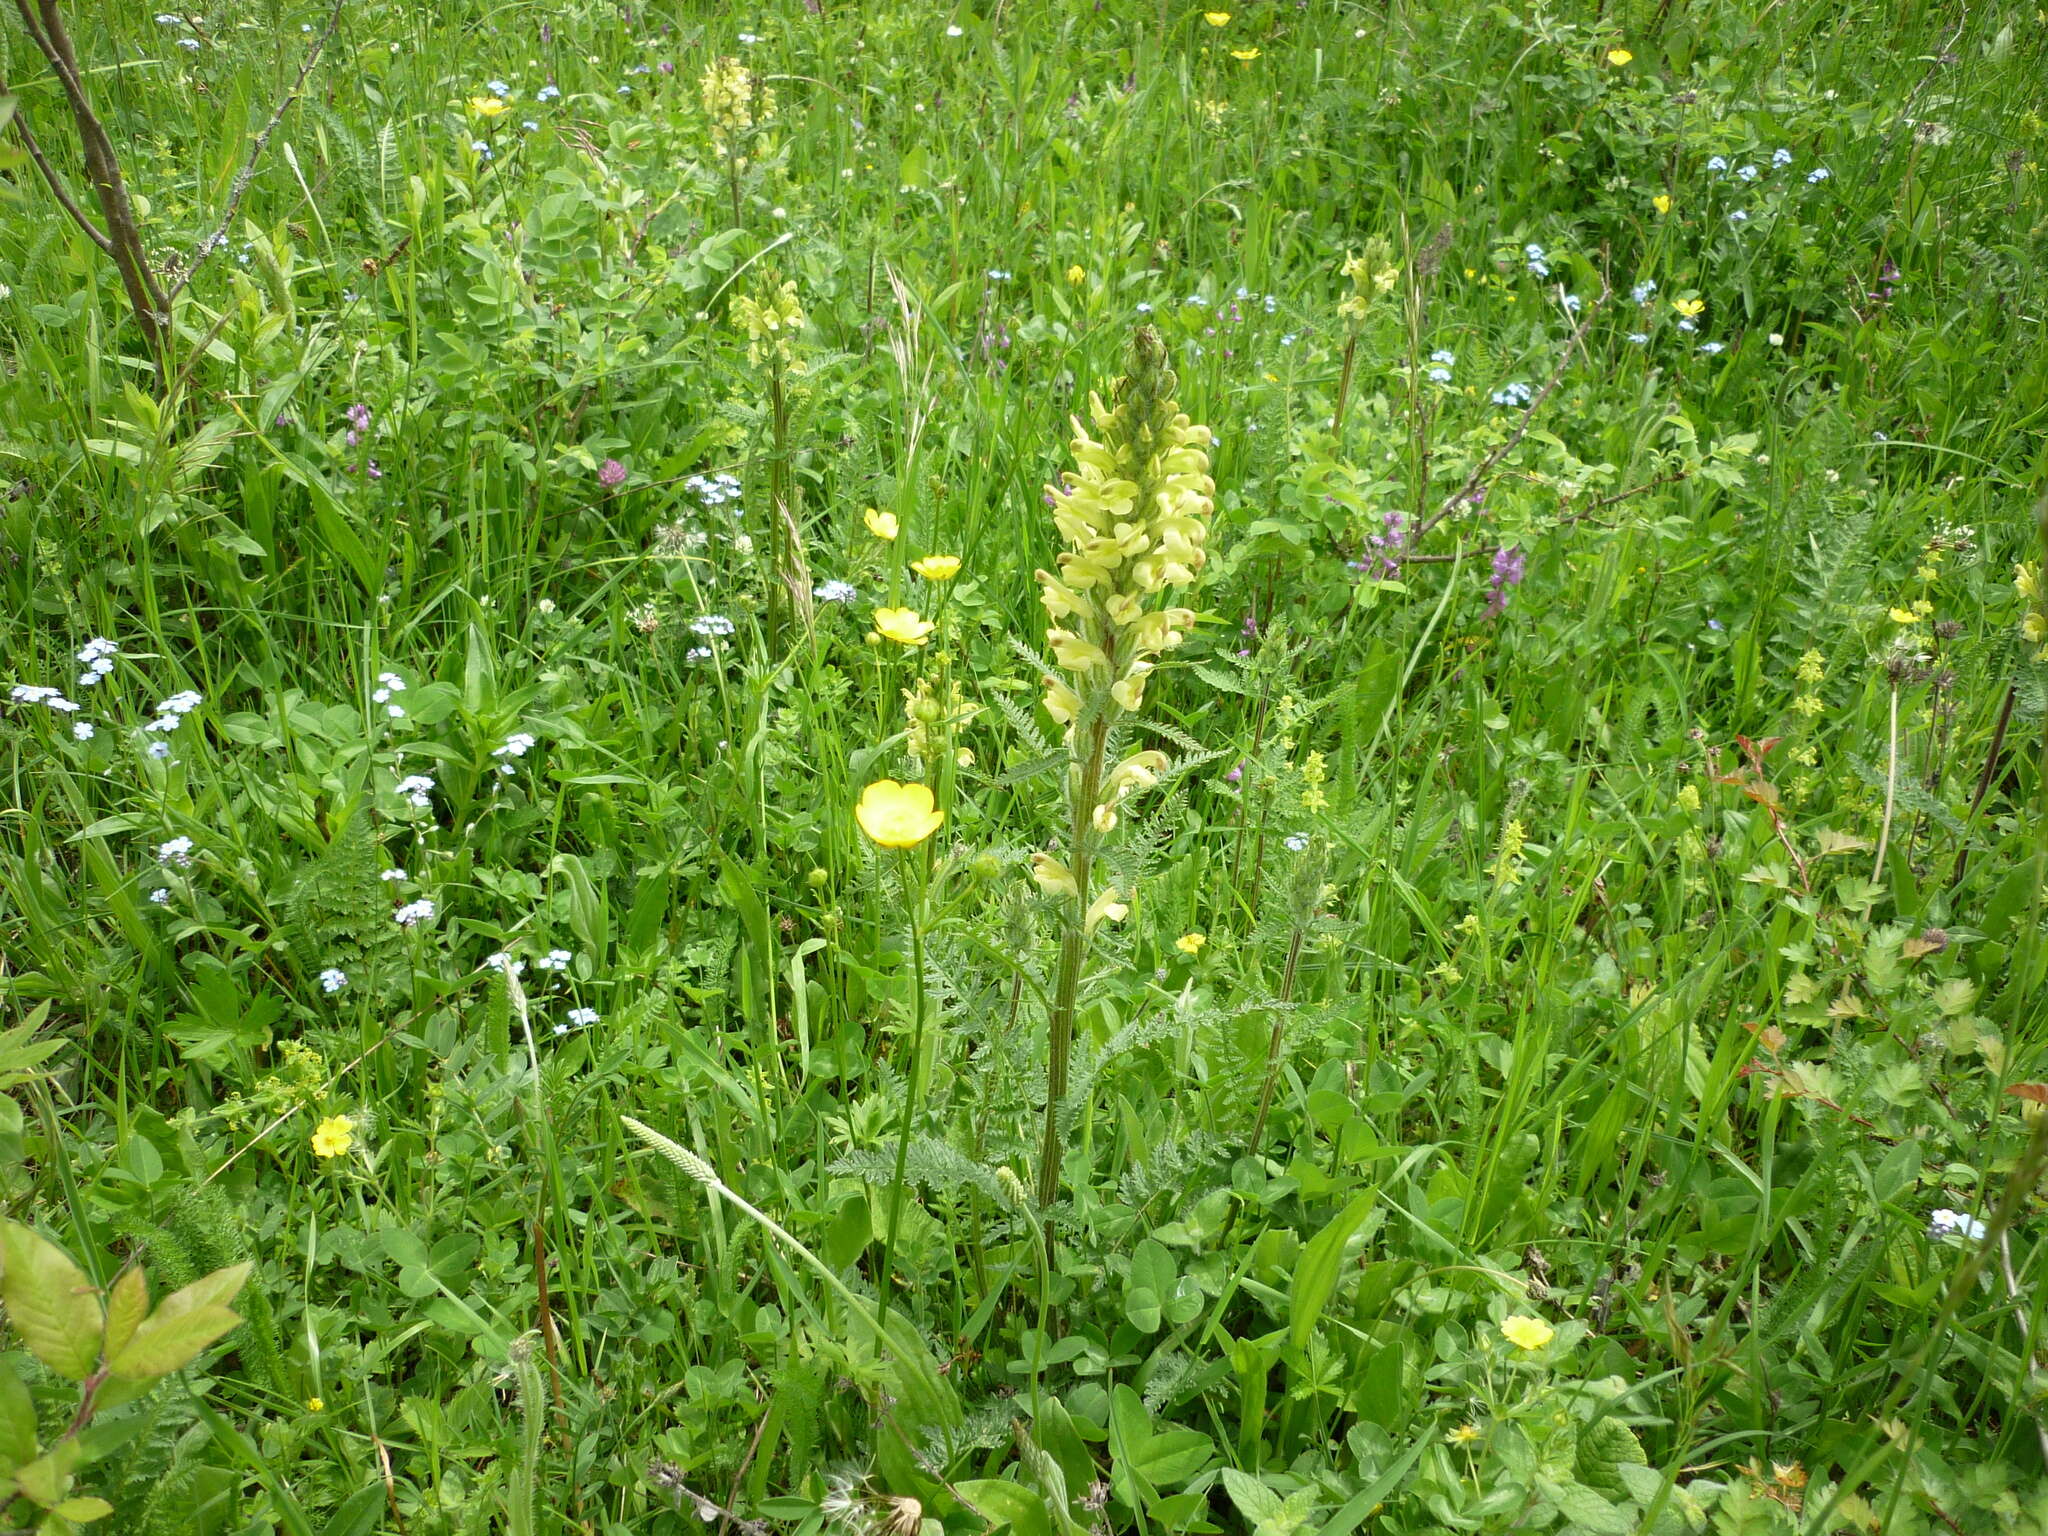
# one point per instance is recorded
(314, 1404)
(881, 524)
(1246, 55)
(937, 567)
(1053, 877)
(2026, 581)
(1104, 908)
(1688, 307)
(898, 815)
(1191, 943)
(1808, 704)
(1077, 274)
(903, 626)
(333, 1136)
(1619, 56)
(2035, 627)
(1217, 18)
(1812, 667)
(1922, 607)
(1661, 202)
(1527, 1332)
(1464, 1434)
(489, 106)
(1904, 616)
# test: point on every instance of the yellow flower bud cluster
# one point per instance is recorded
(734, 101)
(770, 324)
(2026, 580)
(1134, 515)
(1371, 274)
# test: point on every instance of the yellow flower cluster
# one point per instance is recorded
(1134, 514)
(1371, 274)
(734, 101)
(771, 324)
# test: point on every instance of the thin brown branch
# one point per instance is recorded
(247, 174)
(55, 182)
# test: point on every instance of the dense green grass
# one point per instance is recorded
(1580, 1012)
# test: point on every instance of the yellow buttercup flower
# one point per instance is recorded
(1245, 54)
(333, 1136)
(881, 524)
(902, 625)
(1527, 1332)
(1619, 56)
(1904, 616)
(937, 567)
(1688, 307)
(489, 106)
(1464, 1434)
(314, 1404)
(898, 815)
(1190, 943)
(1661, 202)
(1077, 274)
(1217, 18)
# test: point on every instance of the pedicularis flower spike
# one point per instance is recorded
(1134, 513)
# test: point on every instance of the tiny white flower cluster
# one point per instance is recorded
(97, 657)
(711, 624)
(1513, 394)
(413, 913)
(333, 980)
(835, 592)
(417, 789)
(176, 853)
(555, 960)
(393, 876)
(518, 744)
(1444, 359)
(714, 490)
(170, 712)
(35, 693)
(580, 1018)
(504, 963)
(389, 683)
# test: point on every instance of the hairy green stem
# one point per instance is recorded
(1073, 951)
(916, 894)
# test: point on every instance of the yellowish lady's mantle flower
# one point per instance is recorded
(898, 815)
(1619, 56)
(1689, 307)
(881, 524)
(1191, 943)
(937, 567)
(1688, 797)
(1812, 667)
(489, 106)
(903, 626)
(1661, 202)
(1527, 1332)
(771, 324)
(333, 1136)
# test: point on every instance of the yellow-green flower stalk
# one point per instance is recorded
(1371, 273)
(772, 324)
(1134, 514)
(736, 102)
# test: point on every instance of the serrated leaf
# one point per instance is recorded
(51, 1303)
(167, 1343)
(127, 1306)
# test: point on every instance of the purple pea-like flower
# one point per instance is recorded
(1509, 565)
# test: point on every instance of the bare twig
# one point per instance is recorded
(55, 182)
(247, 174)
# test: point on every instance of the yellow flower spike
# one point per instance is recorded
(937, 567)
(333, 1136)
(1217, 18)
(898, 815)
(1619, 56)
(903, 626)
(1244, 55)
(1527, 1332)
(1661, 202)
(1190, 943)
(881, 524)
(489, 106)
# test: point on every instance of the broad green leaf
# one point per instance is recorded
(79, 1511)
(127, 1305)
(1010, 1504)
(17, 1422)
(214, 1290)
(51, 1303)
(1315, 1278)
(165, 1343)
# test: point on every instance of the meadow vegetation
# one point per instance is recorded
(1067, 766)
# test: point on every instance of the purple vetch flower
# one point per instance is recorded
(611, 473)
(1388, 544)
(1509, 565)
